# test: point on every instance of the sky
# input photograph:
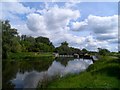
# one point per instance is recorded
(89, 25)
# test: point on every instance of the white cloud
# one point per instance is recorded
(23, 29)
(53, 23)
(12, 10)
(60, 17)
(16, 8)
(107, 36)
(71, 4)
(100, 25)
(92, 44)
(104, 28)
(79, 25)
(36, 22)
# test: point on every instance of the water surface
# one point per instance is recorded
(27, 74)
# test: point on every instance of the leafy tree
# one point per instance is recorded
(43, 40)
(23, 37)
(103, 51)
(15, 47)
(64, 44)
(66, 50)
(84, 50)
(10, 39)
(27, 42)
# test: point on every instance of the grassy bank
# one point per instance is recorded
(102, 74)
(29, 55)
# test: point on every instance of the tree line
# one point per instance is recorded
(14, 43)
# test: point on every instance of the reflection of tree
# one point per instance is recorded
(38, 65)
(64, 61)
(9, 69)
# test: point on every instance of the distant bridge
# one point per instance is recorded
(83, 56)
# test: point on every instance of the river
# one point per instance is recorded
(27, 74)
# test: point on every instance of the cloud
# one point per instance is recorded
(103, 25)
(71, 4)
(93, 44)
(104, 28)
(107, 36)
(53, 23)
(16, 8)
(36, 22)
(23, 29)
(14, 11)
(98, 24)
(59, 17)
(79, 25)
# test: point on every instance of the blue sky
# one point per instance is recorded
(86, 8)
(83, 25)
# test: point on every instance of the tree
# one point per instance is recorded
(10, 39)
(84, 50)
(45, 43)
(27, 42)
(23, 37)
(43, 40)
(64, 43)
(64, 49)
(103, 51)
(15, 45)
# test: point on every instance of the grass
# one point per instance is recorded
(29, 55)
(102, 74)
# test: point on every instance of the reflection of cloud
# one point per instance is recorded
(31, 79)
(75, 66)
(19, 79)
(55, 69)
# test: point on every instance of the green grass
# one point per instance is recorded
(29, 55)
(102, 74)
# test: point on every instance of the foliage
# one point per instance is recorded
(64, 49)
(43, 40)
(103, 51)
(39, 44)
(10, 39)
(84, 50)
(64, 44)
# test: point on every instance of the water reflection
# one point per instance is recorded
(30, 79)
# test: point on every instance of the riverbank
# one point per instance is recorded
(29, 55)
(104, 73)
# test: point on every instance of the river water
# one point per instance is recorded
(27, 74)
